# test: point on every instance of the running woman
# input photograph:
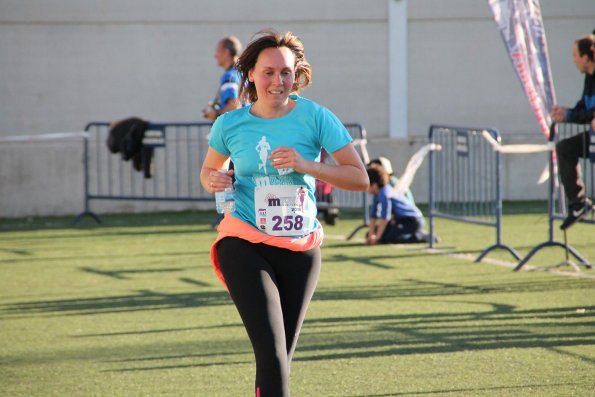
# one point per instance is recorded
(267, 253)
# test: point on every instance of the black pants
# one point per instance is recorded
(568, 151)
(404, 230)
(271, 288)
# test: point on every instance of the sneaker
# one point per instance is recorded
(576, 212)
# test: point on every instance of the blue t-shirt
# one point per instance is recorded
(386, 203)
(261, 188)
(229, 86)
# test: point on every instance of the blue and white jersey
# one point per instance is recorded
(229, 86)
(386, 203)
(277, 202)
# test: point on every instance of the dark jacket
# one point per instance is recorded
(582, 112)
(126, 137)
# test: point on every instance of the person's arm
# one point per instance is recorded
(212, 113)
(558, 113)
(371, 232)
(348, 173)
(210, 177)
(579, 113)
(231, 104)
(209, 113)
(375, 238)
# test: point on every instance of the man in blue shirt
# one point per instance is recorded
(393, 218)
(227, 52)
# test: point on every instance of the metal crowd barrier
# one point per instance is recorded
(557, 205)
(178, 150)
(465, 182)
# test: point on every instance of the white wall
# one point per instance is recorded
(460, 72)
(65, 63)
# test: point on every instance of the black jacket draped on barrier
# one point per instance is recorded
(126, 137)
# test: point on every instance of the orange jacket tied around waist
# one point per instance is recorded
(233, 227)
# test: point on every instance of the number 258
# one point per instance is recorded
(288, 222)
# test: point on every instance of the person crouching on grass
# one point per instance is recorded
(394, 219)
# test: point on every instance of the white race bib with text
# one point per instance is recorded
(284, 210)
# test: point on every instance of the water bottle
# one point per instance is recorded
(225, 200)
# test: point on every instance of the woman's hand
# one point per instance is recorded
(210, 178)
(288, 157)
(348, 173)
(219, 181)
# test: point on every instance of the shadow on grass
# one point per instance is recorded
(487, 326)
(490, 327)
(152, 300)
(502, 327)
(123, 274)
(139, 301)
(365, 337)
(368, 261)
(408, 288)
(113, 232)
(158, 331)
(374, 257)
(16, 251)
(120, 256)
(482, 390)
(181, 366)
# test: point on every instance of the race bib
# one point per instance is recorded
(284, 210)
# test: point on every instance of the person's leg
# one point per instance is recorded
(297, 275)
(568, 152)
(415, 227)
(253, 288)
(403, 230)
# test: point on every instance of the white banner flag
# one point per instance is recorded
(521, 26)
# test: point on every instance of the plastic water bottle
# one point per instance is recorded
(225, 200)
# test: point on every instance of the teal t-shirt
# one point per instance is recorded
(277, 202)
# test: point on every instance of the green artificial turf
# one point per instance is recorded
(132, 308)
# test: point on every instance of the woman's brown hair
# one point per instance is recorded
(271, 39)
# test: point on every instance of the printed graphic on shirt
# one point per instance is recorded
(263, 148)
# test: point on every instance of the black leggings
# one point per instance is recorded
(271, 288)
